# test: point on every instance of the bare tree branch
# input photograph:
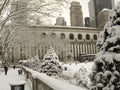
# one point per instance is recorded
(5, 3)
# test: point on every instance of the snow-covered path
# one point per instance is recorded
(11, 77)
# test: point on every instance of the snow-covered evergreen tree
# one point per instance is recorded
(106, 70)
(81, 77)
(51, 65)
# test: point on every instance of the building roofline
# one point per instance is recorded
(63, 27)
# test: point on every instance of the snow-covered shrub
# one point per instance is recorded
(51, 65)
(81, 77)
(105, 73)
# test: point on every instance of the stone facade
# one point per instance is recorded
(30, 41)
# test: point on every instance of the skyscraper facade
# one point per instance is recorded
(76, 15)
(103, 18)
(95, 6)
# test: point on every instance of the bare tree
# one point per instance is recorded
(42, 9)
(39, 10)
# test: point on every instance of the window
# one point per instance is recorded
(87, 37)
(62, 36)
(79, 37)
(53, 35)
(43, 34)
(95, 37)
(71, 36)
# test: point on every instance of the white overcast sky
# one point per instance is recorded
(84, 4)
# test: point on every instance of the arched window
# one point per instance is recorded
(43, 34)
(79, 37)
(62, 36)
(71, 36)
(53, 35)
(87, 37)
(95, 37)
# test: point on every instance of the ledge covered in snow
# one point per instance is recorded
(52, 82)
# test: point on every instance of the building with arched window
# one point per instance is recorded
(68, 41)
(35, 40)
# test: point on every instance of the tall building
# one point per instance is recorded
(60, 21)
(87, 22)
(95, 6)
(19, 6)
(76, 15)
(103, 18)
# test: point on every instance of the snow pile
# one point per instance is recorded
(74, 67)
(18, 82)
(105, 73)
(77, 73)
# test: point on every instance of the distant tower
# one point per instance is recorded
(95, 6)
(19, 5)
(60, 21)
(87, 22)
(76, 14)
(103, 18)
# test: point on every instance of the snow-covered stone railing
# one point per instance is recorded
(40, 81)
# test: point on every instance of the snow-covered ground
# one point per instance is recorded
(73, 67)
(11, 77)
(76, 72)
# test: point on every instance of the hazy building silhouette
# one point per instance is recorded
(60, 21)
(16, 6)
(95, 6)
(76, 15)
(103, 18)
(87, 22)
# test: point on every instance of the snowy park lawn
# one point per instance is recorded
(75, 68)
(10, 78)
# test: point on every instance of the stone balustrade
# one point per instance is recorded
(40, 81)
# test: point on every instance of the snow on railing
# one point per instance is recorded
(52, 83)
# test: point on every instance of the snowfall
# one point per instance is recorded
(14, 77)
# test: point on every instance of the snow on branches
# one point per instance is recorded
(105, 73)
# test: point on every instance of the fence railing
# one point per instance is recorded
(40, 81)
